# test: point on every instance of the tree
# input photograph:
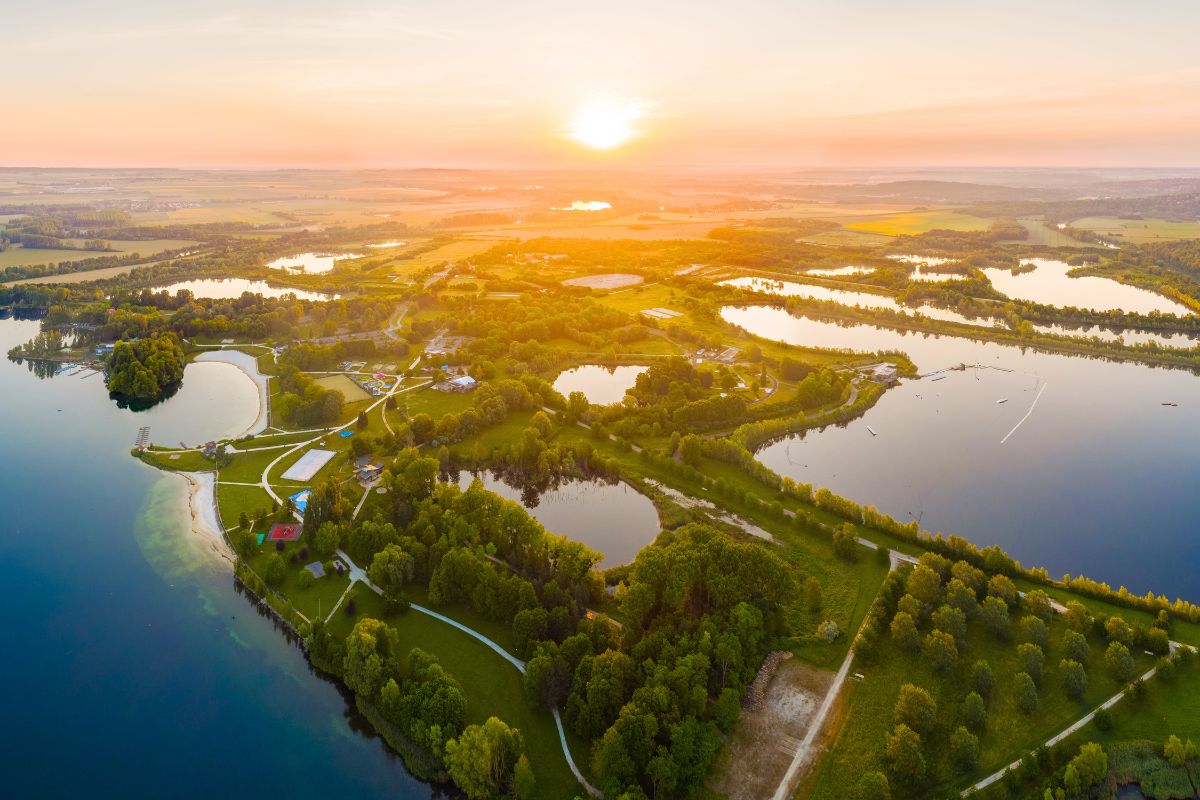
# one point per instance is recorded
(982, 678)
(1174, 751)
(1026, 692)
(941, 651)
(994, 613)
(1118, 630)
(961, 596)
(873, 786)
(1074, 678)
(1119, 660)
(690, 450)
(1078, 618)
(1032, 629)
(1038, 603)
(845, 542)
(1001, 586)
(524, 784)
(1090, 765)
(1032, 660)
(275, 571)
(483, 760)
(924, 584)
(951, 620)
(362, 421)
(964, 748)
(391, 570)
(973, 712)
(915, 708)
(904, 754)
(1075, 647)
(812, 594)
(904, 632)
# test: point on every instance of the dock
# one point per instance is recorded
(143, 438)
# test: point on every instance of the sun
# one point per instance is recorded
(605, 125)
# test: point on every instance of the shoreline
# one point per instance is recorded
(248, 364)
(202, 507)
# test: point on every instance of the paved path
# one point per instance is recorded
(357, 574)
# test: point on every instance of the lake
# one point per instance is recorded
(132, 662)
(223, 288)
(310, 262)
(601, 385)
(1097, 477)
(612, 518)
(1049, 284)
(851, 298)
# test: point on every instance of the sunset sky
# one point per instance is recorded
(455, 83)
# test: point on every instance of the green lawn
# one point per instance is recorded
(22, 257)
(1139, 230)
(858, 741)
(492, 685)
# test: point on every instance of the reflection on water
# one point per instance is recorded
(224, 288)
(600, 385)
(850, 298)
(1126, 335)
(585, 205)
(311, 262)
(609, 517)
(1049, 284)
(840, 271)
(1096, 476)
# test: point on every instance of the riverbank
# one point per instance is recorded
(249, 365)
(202, 507)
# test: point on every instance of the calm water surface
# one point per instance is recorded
(601, 385)
(1097, 477)
(1050, 285)
(310, 262)
(850, 298)
(134, 667)
(221, 288)
(612, 518)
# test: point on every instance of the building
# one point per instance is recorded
(883, 373)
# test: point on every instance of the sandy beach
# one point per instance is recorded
(249, 365)
(203, 507)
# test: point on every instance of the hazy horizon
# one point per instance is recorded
(546, 85)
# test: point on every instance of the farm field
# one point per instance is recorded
(913, 222)
(20, 257)
(1140, 230)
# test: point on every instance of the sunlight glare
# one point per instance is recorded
(604, 125)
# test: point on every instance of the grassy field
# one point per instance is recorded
(20, 257)
(845, 237)
(1042, 234)
(492, 685)
(350, 390)
(857, 743)
(1139, 230)
(913, 222)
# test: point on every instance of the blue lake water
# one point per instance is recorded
(1098, 477)
(131, 665)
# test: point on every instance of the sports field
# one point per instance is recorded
(342, 383)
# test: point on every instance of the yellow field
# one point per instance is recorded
(913, 222)
(342, 383)
(1139, 230)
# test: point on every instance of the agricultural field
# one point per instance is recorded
(1139, 230)
(22, 257)
(1046, 236)
(913, 222)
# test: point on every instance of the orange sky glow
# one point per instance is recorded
(374, 84)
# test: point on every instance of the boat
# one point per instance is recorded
(1002, 400)
(1171, 404)
(939, 377)
(872, 430)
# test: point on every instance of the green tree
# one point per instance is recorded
(1026, 692)
(1032, 660)
(994, 613)
(1032, 629)
(1074, 678)
(1090, 766)
(974, 712)
(391, 570)
(903, 749)
(1119, 660)
(941, 651)
(483, 760)
(1001, 586)
(873, 786)
(915, 708)
(275, 571)
(812, 594)
(925, 584)
(1075, 647)
(904, 632)
(362, 421)
(951, 620)
(964, 748)
(982, 678)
